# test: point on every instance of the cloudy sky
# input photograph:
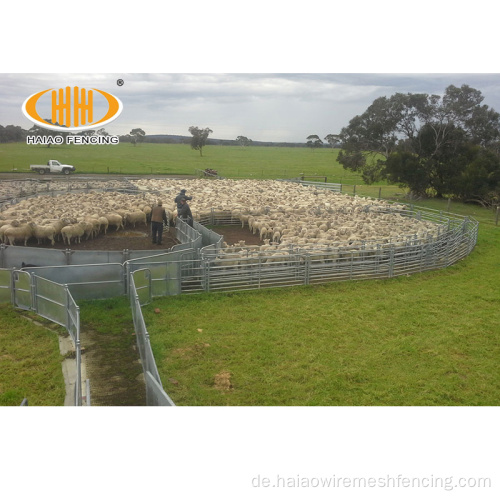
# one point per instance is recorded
(260, 106)
(272, 72)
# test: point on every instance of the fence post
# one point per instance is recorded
(34, 300)
(78, 383)
(67, 254)
(205, 266)
(498, 213)
(307, 269)
(391, 261)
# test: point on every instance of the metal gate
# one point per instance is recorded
(22, 290)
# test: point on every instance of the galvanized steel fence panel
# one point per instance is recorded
(51, 301)
(155, 395)
(92, 281)
(165, 270)
(23, 295)
(5, 285)
(54, 302)
(221, 271)
(324, 185)
(142, 282)
(15, 256)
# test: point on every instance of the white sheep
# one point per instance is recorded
(114, 219)
(22, 232)
(43, 232)
(73, 231)
(137, 217)
(103, 224)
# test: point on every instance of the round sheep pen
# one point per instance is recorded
(290, 233)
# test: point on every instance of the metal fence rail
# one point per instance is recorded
(324, 185)
(86, 281)
(155, 395)
(49, 300)
(252, 269)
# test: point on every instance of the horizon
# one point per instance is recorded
(274, 107)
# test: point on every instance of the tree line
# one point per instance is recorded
(435, 145)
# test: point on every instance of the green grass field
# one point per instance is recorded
(30, 361)
(427, 339)
(230, 161)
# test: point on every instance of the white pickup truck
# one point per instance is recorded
(53, 166)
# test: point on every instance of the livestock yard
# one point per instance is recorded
(89, 239)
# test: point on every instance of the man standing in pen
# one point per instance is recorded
(182, 194)
(158, 217)
(184, 213)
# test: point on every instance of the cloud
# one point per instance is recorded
(262, 106)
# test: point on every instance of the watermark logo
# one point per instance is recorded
(72, 109)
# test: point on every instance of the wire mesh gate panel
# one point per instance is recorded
(22, 293)
(155, 395)
(164, 271)
(51, 301)
(54, 302)
(87, 281)
(5, 285)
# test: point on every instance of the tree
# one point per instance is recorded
(371, 137)
(12, 133)
(243, 141)
(333, 140)
(199, 138)
(137, 135)
(420, 140)
(45, 132)
(313, 141)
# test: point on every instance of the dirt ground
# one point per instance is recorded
(114, 368)
(234, 234)
(140, 239)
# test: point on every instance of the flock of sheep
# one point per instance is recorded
(70, 217)
(281, 213)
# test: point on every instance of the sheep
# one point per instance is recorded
(103, 224)
(291, 220)
(137, 217)
(88, 227)
(114, 219)
(21, 232)
(73, 231)
(147, 210)
(43, 232)
(277, 258)
(2, 231)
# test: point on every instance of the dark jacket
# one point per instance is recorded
(178, 199)
(185, 214)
